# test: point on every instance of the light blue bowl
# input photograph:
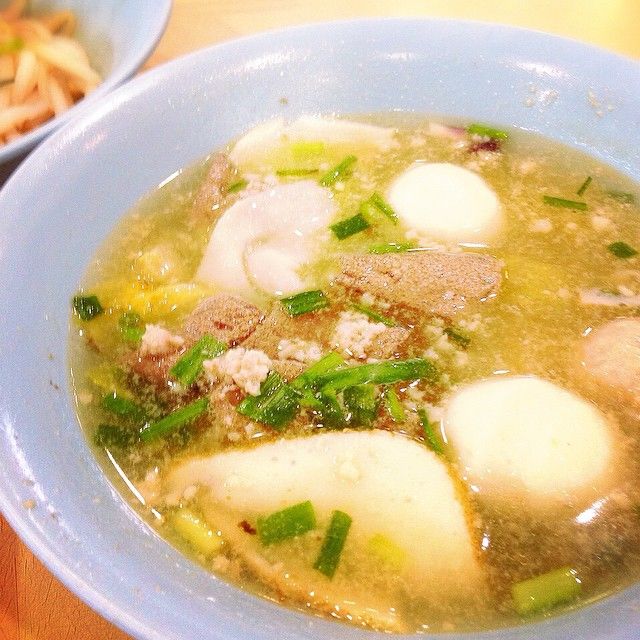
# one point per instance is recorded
(58, 207)
(119, 36)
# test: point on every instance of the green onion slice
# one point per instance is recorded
(361, 404)
(331, 413)
(341, 170)
(276, 405)
(123, 406)
(335, 537)
(305, 302)
(386, 372)
(131, 327)
(373, 314)
(377, 204)
(484, 130)
(458, 337)
(350, 226)
(567, 204)
(238, 185)
(391, 247)
(622, 196)
(174, 420)
(430, 436)
(295, 173)
(308, 378)
(111, 435)
(545, 591)
(288, 523)
(393, 405)
(187, 369)
(584, 185)
(87, 307)
(622, 250)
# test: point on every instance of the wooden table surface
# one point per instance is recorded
(33, 604)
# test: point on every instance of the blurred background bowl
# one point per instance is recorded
(118, 35)
(62, 202)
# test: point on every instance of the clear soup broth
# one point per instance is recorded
(384, 369)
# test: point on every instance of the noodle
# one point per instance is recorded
(43, 69)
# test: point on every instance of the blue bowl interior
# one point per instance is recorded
(58, 207)
(118, 36)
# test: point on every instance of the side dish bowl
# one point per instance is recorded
(59, 206)
(118, 37)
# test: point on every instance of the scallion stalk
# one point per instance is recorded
(187, 369)
(458, 337)
(386, 372)
(276, 405)
(567, 204)
(391, 247)
(112, 435)
(584, 185)
(87, 307)
(131, 328)
(487, 131)
(350, 226)
(308, 378)
(122, 406)
(287, 523)
(432, 440)
(361, 404)
(622, 196)
(174, 420)
(373, 314)
(334, 540)
(393, 405)
(295, 173)
(377, 204)
(238, 185)
(622, 250)
(340, 171)
(305, 302)
(331, 412)
(545, 591)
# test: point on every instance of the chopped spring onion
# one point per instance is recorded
(385, 372)
(131, 328)
(196, 531)
(296, 173)
(622, 196)
(87, 307)
(361, 404)
(11, 45)
(187, 369)
(305, 148)
(373, 314)
(334, 540)
(545, 591)
(487, 132)
(387, 551)
(238, 185)
(307, 378)
(567, 204)
(341, 170)
(458, 337)
(584, 185)
(276, 405)
(377, 204)
(123, 406)
(393, 405)
(174, 420)
(430, 437)
(288, 523)
(330, 409)
(622, 250)
(305, 302)
(350, 226)
(111, 435)
(391, 247)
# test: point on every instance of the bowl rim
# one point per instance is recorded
(157, 24)
(17, 518)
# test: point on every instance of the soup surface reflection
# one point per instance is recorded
(384, 370)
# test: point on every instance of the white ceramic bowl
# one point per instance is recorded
(58, 207)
